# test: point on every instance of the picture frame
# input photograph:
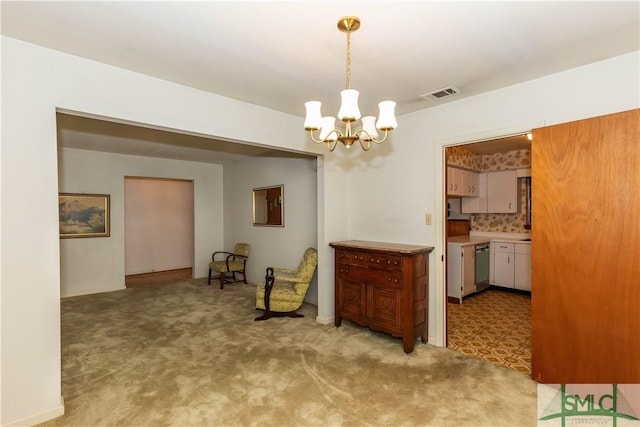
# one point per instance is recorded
(84, 215)
(268, 206)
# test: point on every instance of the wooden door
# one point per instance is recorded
(586, 251)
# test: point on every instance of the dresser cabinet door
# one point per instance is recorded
(384, 305)
(352, 298)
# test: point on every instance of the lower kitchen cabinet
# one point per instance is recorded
(503, 264)
(511, 264)
(522, 266)
(460, 271)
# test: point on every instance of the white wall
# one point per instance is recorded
(273, 246)
(159, 230)
(392, 190)
(35, 82)
(98, 265)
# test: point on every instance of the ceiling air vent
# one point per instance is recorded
(441, 93)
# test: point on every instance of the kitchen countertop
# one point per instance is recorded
(505, 240)
(467, 240)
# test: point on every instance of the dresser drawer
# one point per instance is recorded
(354, 273)
(370, 260)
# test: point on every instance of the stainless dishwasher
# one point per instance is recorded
(482, 266)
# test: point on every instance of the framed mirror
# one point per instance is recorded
(268, 206)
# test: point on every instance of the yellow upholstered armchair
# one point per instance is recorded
(283, 290)
(230, 262)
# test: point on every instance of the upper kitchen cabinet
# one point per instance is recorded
(461, 182)
(503, 195)
(470, 181)
(476, 204)
(498, 193)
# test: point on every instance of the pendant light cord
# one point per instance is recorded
(349, 59)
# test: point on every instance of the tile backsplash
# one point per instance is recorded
(516, 159)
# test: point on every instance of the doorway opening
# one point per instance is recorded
(488, 318)
(159, 230)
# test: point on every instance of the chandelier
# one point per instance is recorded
(349, 112)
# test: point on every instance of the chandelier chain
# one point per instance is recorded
(349, 59)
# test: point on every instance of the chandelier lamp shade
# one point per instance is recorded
(323, 129)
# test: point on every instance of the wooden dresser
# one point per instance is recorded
(383, 286)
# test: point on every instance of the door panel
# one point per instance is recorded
(586, 251)
(469, 269)
(353, 298)
(384, 307)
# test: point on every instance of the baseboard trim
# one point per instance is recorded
(64, 294)
(31, 420)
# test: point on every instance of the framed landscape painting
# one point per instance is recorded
(83, 215)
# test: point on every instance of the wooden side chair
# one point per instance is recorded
(284, 290)
(234, 262)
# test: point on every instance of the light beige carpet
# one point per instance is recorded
(188, 354)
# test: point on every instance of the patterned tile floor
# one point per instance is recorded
(494, 325)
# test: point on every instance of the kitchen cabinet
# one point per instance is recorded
(476, 204)
(460, 271)
(454, 181)
(383, 286)
(461, 182)
(470, 183)
(511, 264)
(503, 195)
(502, 260)
(522, 266)
(498, 192)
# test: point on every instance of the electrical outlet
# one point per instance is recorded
(428, 219)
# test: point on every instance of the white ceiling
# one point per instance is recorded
(281, 54)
